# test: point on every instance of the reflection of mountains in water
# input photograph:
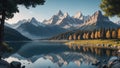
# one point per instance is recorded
(39, 48)
(59, 53)
(67, 57)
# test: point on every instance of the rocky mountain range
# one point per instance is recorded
(97, 21)
(33, 29)
(64, 20)
(60, 23)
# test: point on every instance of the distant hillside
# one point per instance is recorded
(35, 30)
(13, 35)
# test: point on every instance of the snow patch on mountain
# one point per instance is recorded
(78, 15)
(118, 22)
(64, 20)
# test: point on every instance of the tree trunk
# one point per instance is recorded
(2, 27)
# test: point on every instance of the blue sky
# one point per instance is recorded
(51, 7)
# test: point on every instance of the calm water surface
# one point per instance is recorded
(56, 55)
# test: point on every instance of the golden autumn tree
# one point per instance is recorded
(87, 35)
(70, 37)
(74, 37)
(118, 33)
(96, 35)
(114, 34)
(92, 35)
(108, 34)
(84, 36)
(79, 37)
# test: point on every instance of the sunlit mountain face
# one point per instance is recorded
(62, 22)
(54, 55)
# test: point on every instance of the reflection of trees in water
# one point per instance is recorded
(108, 53)
(70, 46)
(74, 48)
(93, 50)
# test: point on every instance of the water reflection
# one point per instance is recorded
(55, 55)
(94, 50)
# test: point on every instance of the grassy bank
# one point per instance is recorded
(95, 42)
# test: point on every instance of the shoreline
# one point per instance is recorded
(112, 44)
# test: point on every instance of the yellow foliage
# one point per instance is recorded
(92, 35)
(108, 34)
(96, 36)
(74, 37)
(70, 37)
(78, 37)
(114, 34)
(118, 33)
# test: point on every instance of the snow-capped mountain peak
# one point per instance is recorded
(78, 15)
(60, 13)
(35, 22)
(118, 22)
(66, 15)
(65, 19)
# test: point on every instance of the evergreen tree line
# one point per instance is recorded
(96, 34)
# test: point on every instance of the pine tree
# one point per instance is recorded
(103, 33)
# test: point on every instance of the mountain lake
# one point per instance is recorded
(46, 54)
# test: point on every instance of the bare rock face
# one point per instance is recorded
(97, 17)
(98, 21)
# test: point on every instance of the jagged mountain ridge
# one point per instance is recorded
(64, 20)
(35, 30)
(97, 21)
